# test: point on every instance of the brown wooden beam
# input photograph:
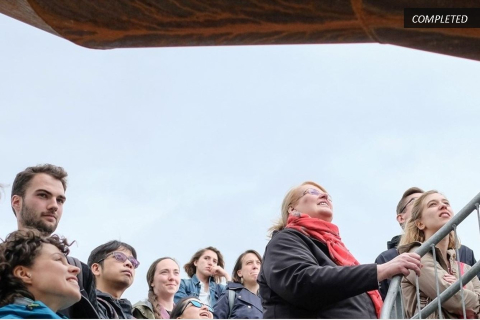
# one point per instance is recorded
(107, 24)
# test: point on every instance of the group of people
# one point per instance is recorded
(306, 270)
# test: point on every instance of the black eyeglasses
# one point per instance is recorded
(122, 257)
(197, 304)
(405, 206)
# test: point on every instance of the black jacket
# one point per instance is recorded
(246, 305)
(87, 307)
(298, 279)
(465, 253)
(111, 308)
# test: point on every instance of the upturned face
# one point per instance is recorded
(313, 202)
(250, 268)
(436, 212)
(116, 270)
(52, 280)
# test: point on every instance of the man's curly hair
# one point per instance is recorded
(20, 248)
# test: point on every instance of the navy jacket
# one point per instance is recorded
(466, 256)
(191, 288)
(24, 308)
(246, 305)
(298, 279)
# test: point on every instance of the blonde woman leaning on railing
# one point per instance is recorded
(430, 212)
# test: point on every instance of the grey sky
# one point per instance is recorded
(175, 149)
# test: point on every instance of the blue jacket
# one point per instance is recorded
(191, 288)
(24, 308)
(245, 306)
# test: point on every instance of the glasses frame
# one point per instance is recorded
(135, 263)
(196, 304)
(405, 206)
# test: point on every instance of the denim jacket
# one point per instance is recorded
(191, 288)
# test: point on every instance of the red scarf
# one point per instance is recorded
(327, 233)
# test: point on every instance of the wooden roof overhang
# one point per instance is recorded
(108, 24)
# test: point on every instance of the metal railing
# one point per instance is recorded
(393, 307)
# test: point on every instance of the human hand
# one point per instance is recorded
(401, 264)
(449, 278)
(220, 272)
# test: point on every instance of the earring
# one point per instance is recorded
(241, 280)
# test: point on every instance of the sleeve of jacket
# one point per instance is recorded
(221, 307)
(427, 283)
(385, 284)
(181, 293)
(89, 285)
(293, 272)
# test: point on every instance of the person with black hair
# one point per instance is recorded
(113, 265)
(35, 279)
(191, 308)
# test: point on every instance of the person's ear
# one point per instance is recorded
(239, 273)
(195, 263)
(291, 210)
(16, 203)
(400, 219)
(96, 269)
(420, 225)
(23, 273)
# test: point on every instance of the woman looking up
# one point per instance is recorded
(307, 271)
(35, 279)
(244, 290)
(430, 212)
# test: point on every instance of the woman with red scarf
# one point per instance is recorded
(307, 271)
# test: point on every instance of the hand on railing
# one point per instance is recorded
(402, 264)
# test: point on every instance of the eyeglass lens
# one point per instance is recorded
(122, 257)
(199, 305)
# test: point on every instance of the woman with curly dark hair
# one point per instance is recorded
(35, 279)
(205, 270)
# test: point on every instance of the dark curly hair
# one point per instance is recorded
(20, 248)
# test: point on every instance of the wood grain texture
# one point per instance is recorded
(107, 24)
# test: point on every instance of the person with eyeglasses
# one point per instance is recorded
(404, 212)
(113, 265)
(191, 308)
(307, 272)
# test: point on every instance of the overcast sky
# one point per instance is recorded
(175, 149)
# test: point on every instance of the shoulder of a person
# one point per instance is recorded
(466, 249)
(387, 255)
(409, 247)
(233, 286)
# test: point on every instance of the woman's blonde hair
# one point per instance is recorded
(412, 232)
(290, 199)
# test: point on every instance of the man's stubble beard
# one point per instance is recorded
(32, 221)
